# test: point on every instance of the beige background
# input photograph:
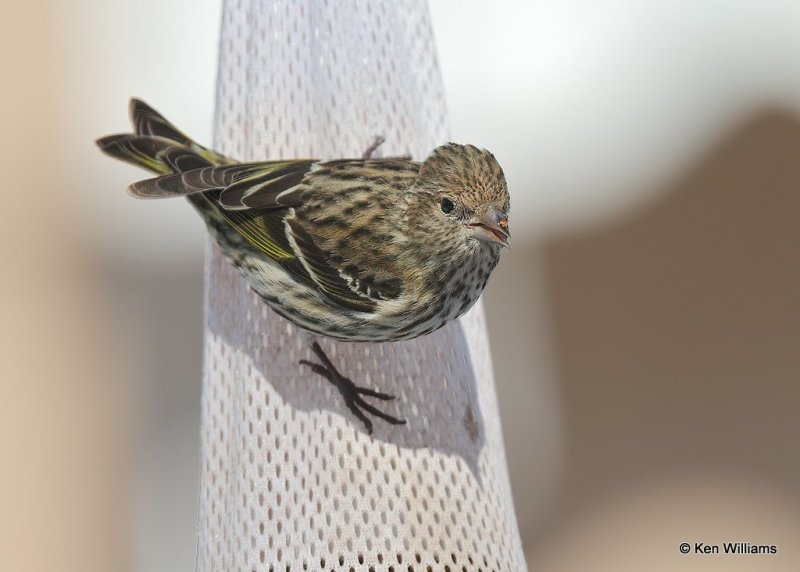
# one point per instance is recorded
(645, 325)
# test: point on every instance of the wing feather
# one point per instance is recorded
(327, 278)
(262, 189)
(272, 204)
(252, 181)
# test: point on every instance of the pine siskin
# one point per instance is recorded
(355, 249)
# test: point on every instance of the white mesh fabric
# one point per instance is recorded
(290, 478)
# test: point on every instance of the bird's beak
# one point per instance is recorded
(491, 226)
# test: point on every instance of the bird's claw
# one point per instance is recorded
(352, 393)
(377, 142)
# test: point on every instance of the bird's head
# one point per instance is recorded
(463, 198)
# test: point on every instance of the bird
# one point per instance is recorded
(363, 249)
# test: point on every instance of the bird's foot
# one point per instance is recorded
(351, 393)
(377, 142)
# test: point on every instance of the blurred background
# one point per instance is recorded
(645, 325)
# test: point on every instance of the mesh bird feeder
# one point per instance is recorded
(290, 480)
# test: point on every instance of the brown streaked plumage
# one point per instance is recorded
(354, 249)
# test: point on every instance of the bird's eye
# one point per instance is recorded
(447, 205)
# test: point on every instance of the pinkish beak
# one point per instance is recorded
(491, 226)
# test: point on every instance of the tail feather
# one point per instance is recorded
(149, 122)
(157, 145)
(141, 151)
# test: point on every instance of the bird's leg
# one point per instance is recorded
(350, 391)
(377, 142)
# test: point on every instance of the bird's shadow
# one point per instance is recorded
(432, 378)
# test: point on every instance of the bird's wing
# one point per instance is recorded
(344, 231)
(243, 186)
(269, 204)
(326, 274)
